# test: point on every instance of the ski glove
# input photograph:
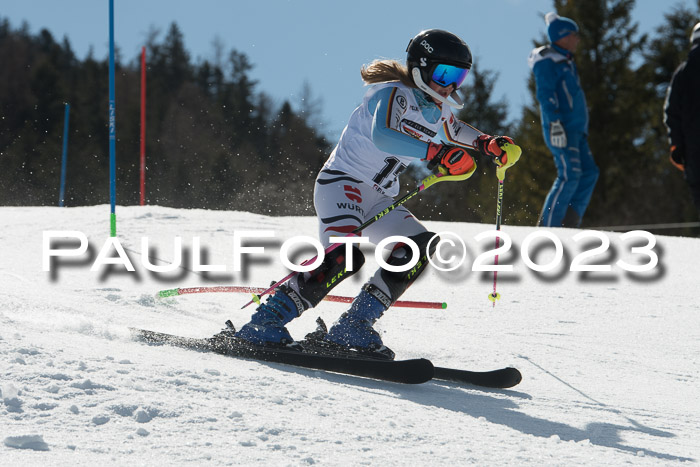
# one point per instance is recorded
(677, 158)
(491, 147)
(557, 135)
(454, 158)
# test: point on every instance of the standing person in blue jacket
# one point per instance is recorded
(405, 117)
(564, 124)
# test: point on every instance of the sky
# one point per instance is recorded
(316, 42)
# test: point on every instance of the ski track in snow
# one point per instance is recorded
(610, 360)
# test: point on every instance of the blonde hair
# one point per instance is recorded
(382, 71)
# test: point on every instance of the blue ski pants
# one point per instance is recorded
(577, 174)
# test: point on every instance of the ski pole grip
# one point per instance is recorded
(444, 176)
(513, 152)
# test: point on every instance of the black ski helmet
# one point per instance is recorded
(433, 47)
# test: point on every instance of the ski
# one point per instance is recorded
(502, 378)
(413, 371)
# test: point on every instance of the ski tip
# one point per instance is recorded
(506, 378)
(515, 376)
(502, 378)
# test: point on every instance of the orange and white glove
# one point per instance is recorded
(454, 158)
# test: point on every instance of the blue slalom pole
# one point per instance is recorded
(64, 158)
(112, 129)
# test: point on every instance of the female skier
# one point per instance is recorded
(405, 116)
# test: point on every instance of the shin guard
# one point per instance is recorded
(313, 286)
(396, 283)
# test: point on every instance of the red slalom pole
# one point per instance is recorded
(143, 127)
(257, 290)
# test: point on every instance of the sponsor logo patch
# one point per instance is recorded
(353, 193)
(419, 127)
(401, 101)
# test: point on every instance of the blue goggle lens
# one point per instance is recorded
(444, 75)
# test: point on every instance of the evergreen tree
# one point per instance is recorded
(212, 141)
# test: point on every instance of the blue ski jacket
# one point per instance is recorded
(559, 89)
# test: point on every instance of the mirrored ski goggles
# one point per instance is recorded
(444, 75)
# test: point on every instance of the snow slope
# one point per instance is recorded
(610, 359)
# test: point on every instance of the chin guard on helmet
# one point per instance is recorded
(457, 104)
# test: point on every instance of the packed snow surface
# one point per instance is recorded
(610, 359)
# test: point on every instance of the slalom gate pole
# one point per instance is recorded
(64, 158)
(257, 290)
(142, 190)
(112, 130)
(427, 182)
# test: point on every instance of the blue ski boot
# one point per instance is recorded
(266, 326)
(354, 327)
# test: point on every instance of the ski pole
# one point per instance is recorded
(513, 154)
(499, 209)
(330, 298)
(426, 183)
